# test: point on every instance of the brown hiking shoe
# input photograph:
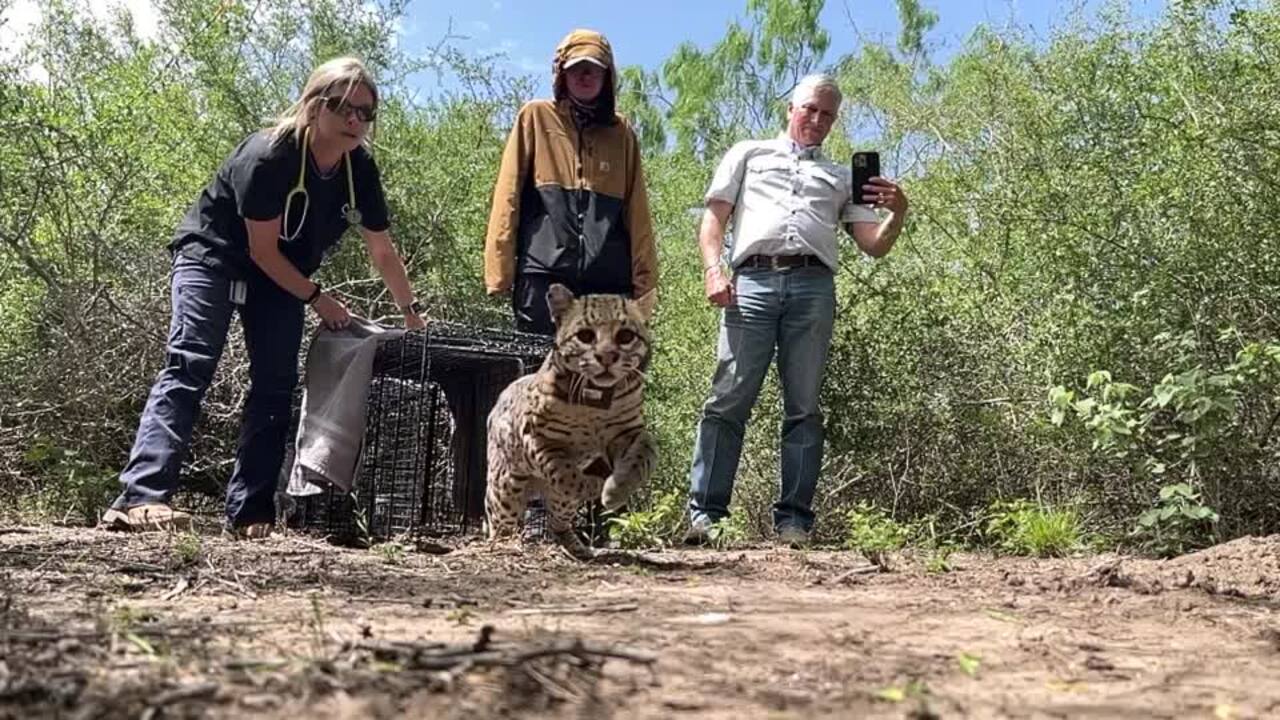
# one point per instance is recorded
(252, 531)
(154, 517)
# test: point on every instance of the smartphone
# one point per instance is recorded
(866, 165)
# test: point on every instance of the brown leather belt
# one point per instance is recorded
(779, 262)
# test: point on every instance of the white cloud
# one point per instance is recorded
(16, 22)
(146, 19)
(528, 64)
(19, 19)
(22, 16)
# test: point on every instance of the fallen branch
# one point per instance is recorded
(131, 567)
(197, 691)
(626, 557)
(172, 631)
(485, 653)
(254, 664)
(577, 609)
(179, 587)
(185, 692)
(54, 636)
(866, 570)
(244, 591)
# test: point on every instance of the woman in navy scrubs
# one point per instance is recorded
(249, 245)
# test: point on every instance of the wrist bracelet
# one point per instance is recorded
(315, 294)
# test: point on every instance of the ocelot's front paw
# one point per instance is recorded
(617, 488)
(570, 541)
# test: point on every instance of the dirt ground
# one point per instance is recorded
(94, 624)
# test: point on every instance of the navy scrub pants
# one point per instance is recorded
(202, 308)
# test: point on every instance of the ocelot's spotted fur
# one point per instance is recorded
(574, 430)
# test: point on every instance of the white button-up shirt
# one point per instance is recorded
(787, 199)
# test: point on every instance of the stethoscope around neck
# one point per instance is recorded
(349, 211)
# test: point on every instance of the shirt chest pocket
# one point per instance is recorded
(827, 181)
(601, 160)
(768, 166)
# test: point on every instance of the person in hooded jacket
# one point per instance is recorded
(570, 205)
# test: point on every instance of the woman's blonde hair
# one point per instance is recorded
(345, 73)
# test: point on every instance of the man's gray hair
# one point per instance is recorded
(811, 84)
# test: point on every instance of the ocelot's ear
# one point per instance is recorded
(646, 304)
(559, 298)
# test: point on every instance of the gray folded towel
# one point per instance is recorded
(334, 396)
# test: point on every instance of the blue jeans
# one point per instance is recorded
(793, 311)
(273, 322)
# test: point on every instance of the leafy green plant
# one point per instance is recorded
(392, 553)
(938, 561)
(648, 528)
(1022, 527)
(316, 621)
(460, 616)
(1184, 434)
(364, 537)
(729, 532)
(75, 488)
(969, 663)
(126, 623)
(875, 533)
(1179, 522)
(186, 548)
(912, 690)
(1175, 426)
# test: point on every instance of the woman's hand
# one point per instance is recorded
(332, 313)
(414, 321)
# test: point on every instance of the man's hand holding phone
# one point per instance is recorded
(875, 190)
(886, 194)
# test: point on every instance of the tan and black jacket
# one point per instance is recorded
(571, 204)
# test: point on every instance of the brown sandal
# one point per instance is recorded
(154, 517)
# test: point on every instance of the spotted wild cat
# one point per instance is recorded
(574, 430)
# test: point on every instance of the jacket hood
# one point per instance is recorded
(587, 44)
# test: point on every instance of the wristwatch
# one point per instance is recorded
(414, 307)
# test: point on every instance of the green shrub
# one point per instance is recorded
(1179, 522)
(872, 530)
(651, 528)
(731, 531)
(1022, 527)
(74, 490)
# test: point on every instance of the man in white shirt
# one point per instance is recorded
(787, 201)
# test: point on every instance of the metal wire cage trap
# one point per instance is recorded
(422, 464)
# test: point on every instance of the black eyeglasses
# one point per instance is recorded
(339, 106)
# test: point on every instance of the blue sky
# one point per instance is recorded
(645, 33)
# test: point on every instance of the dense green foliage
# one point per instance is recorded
(1078, 311)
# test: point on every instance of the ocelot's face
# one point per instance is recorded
(604, 338)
